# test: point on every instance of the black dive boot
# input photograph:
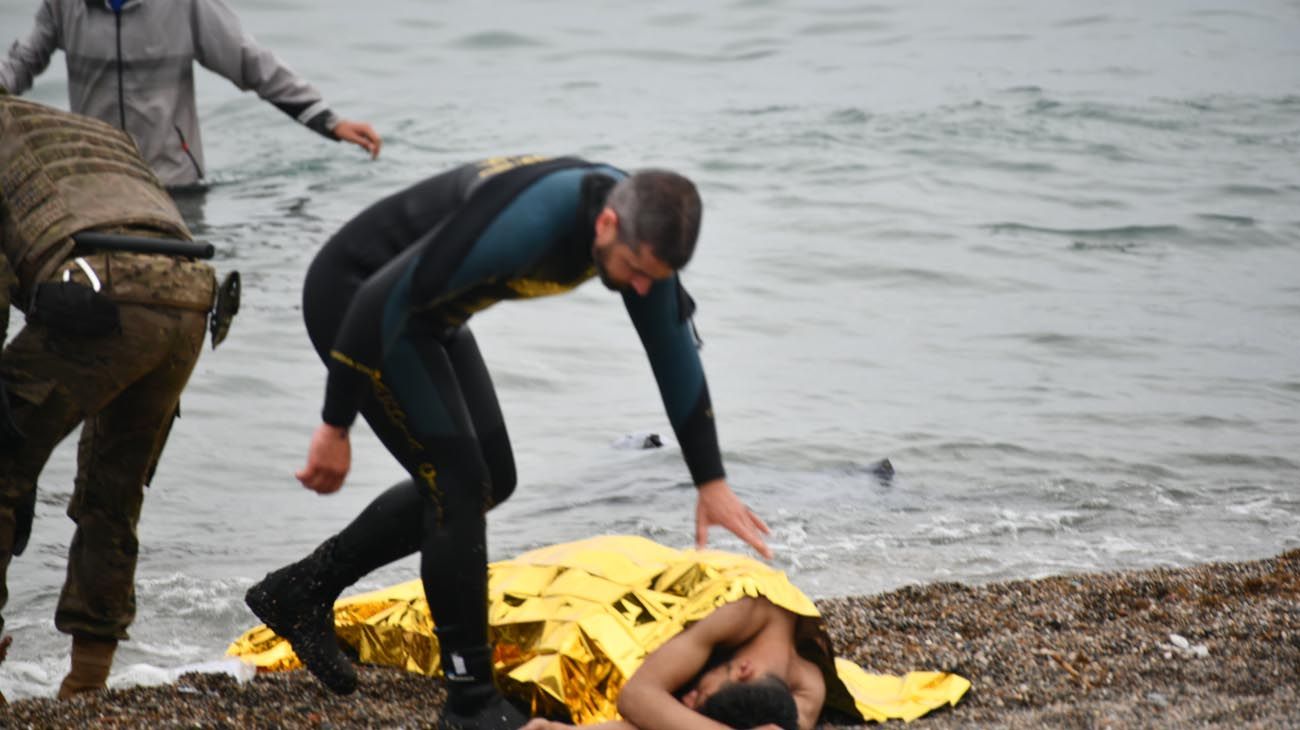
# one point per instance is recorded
(473, 701)
(297, 603)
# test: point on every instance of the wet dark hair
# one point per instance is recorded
(659, 208)
(765, 701)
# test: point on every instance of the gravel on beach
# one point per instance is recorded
(1214, 645)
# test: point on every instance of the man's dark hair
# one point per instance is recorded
(660, 208)
(765, 701)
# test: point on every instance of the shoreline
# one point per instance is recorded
(1210, 645)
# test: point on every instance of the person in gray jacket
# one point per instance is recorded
(131, 64)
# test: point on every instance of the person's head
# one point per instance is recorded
(737, 693)
(647, 230)
(764, 701)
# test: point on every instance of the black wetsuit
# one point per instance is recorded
(386, 301)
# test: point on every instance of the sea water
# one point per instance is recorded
(1043, 257)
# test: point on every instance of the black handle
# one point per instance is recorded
(141, 244)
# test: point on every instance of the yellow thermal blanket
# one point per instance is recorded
(572, 622)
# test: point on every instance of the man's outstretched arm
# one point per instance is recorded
(222, 46)
(663, 321)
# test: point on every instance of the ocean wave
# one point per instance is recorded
(1086, 20)
(663, 55)
(844, 28)
(180, 595)
(1128, 232)
(1264, 462)
(495, 40)
(1249, 190)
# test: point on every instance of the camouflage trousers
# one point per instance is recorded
(125, 389)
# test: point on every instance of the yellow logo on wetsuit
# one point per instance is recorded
(369, 372)
(497, 165)
(528, 288)
(387, 401)
(430, 477)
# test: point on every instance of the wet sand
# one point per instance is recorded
(1215, 645)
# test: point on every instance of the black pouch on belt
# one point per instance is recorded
(74, 309)
(225, 308)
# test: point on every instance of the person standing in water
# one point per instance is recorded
(131, 64)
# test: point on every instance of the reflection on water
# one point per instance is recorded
(190, 201)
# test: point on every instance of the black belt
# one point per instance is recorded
(227, 295)
(142, 244)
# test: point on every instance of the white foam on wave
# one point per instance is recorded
(149, 675)
(22, 679)
(189, 596)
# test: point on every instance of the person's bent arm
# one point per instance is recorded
(30, 55)
(542, 724)
(354, 361)
(222, 46)
(647, 699)
(376, 317)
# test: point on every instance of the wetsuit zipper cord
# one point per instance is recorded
(121, 93)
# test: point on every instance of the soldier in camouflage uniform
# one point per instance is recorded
(110, 341)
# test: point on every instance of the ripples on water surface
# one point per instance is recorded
(1042, 258)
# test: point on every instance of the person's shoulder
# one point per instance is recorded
(730, 615)
(753, 612)
(767, 606)
(605, 168)
(62, 7)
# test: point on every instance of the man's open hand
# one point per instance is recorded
(718, 505)
(360, 134)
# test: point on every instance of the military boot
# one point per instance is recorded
(297, 603)
(91, 660)
(473, 700)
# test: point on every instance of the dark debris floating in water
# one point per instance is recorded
(883, 471)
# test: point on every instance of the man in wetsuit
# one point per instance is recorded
(386, 303)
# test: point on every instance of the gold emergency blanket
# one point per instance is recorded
(572, 622)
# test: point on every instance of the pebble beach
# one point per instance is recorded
(1215, 645)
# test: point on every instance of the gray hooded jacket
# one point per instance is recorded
(135, 70)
